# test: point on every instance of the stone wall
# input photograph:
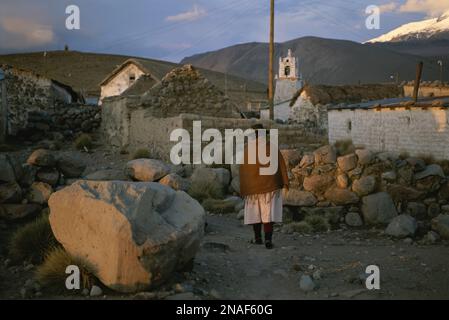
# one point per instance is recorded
(29, 93)
(417, 131)
(427, 91)
(312, 116)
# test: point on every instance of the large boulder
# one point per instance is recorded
(364, 186)
(147, 170)
(307, 160)
(29, 175)
(440, 224)
(48, 175)
(42, 158)
(10, 193)
(134, 233)
(291, 157)
(348, 162)
(403, 193)
(325, 155)
(318, 183)
(378, 208)
(341, 197)
(402, 226)
(294, 197)
(209, 176)
(71, 166)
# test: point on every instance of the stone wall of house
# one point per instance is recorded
(427, 91)
(121, 82)
(417, 131)
(32, 100)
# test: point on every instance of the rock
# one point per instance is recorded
(18, 211)
(147, 170)
(348, 162)
(145, 230)
(429, 184)
(42, 158)
(365, 156)
(440, 224)
(318, 184)
(294, 197)
(7, 172)
(291, 157)
(433, 210)
(70, 166)
(95, 291)
(403, 193)
(48, 175)
(364, 186)
(241, 214)
(307, 160)
(175, 182)
(431, 237)
(210, 176)
(107, 175)
(430, 170)
(353, 219)
(186, 296)
(306, 283)
(378, 208)
(355, 173)
(10, 192)
(444, 191)
(29, 175)
(235, 184)
(405, 175)
(39, 192)
(215, 295)
(402, 226)
(316, 275)
(325, 155)
(387, 156)
(85, 292)
(417, 164)
(341, 197)
(389, 176)
(445, 208)
(235, 170)
(417, 210)
(342, 181)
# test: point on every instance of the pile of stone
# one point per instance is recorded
(68, 120)
(406, 195)
(26, 188)
(185, 90)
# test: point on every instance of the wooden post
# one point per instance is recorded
(271, 63)
(417, 81)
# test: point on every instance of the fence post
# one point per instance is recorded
(3, 108)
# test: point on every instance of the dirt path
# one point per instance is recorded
(235, 269)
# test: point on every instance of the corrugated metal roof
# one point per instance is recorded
(395, 103)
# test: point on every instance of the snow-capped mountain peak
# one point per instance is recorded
(419, 30)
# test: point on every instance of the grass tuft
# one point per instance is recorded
(51, 274)
(32, 241)
(344, 147)
(218, 206)
(318, 223)
(84, 141)
(141, 154)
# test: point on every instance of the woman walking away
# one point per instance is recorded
(262, 193)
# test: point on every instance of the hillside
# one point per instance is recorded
(321, 61)
(84, 71)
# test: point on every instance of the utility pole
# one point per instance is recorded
(3, 108)
(440, 63)
(271, 62)
(419, 68)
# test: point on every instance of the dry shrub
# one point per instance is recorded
(302, 227)
(32, 241)
(203, 191)
(444, 164)
(428, 159)
(318, 223)
(218, 206)
(84, 141)
(344, 147)
(52, 273)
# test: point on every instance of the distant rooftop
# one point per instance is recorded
(442, 102)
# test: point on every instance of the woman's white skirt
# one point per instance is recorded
(263, 208)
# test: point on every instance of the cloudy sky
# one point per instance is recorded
(173, 29)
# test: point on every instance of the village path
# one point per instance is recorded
(232, 268)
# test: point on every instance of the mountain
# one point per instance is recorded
(321, 61)
(435, 28)
(84, 71)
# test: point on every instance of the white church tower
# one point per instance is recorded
(288, 81)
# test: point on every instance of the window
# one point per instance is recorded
(132, 78)
(287, 71)
(349, 125)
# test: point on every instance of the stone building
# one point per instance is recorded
(420, 129)
(28, 92)
(184, 95)
(427, 89)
